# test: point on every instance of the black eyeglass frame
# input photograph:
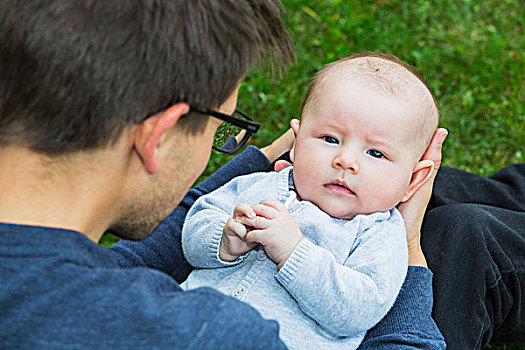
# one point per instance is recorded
(249, 125)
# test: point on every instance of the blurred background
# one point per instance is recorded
(472, 53)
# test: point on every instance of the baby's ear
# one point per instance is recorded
(421, 174)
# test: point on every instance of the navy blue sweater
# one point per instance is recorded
(60, 290)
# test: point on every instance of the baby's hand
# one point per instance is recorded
(233, 242)
(275, 229)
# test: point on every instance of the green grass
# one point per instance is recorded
(471, 52)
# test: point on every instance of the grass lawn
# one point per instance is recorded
(470, 52)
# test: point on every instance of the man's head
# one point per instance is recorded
(77, 74)
(365, 123)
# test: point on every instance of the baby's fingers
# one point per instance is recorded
(257, 222)
(240, 230)
(269, 208)
(274, 204)
(256, 236)
(243, 209)
(234, 228)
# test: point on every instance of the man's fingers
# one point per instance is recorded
(433, 151)
(413, 210)
(243, 209)
(281, 164)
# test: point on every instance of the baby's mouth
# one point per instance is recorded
(339, 186)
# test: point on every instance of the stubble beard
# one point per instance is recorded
(140, 218)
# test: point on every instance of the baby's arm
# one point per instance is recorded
(348, 299)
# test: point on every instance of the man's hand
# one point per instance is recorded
(233, 242)
(277, 148)
(275, 229)
(413, 210)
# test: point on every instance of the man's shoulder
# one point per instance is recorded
(69, 294)
(120, 307)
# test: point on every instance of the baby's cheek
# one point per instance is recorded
(302, 190)
(388, 194)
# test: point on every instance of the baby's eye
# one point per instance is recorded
(330, 139)
(376, 154)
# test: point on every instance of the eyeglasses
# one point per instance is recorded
(233, 134)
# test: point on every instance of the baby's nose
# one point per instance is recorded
(346, 162)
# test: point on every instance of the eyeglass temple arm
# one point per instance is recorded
(250, 125)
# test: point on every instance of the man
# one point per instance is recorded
(96, 133)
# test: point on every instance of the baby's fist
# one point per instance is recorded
(233, 243)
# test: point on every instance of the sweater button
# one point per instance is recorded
(238, 293)
(261, 255)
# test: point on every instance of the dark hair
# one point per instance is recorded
(75, 73)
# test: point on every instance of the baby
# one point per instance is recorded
(320, 247)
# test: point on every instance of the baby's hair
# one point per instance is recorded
(389, 74)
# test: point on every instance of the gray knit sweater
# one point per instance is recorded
(342, 278)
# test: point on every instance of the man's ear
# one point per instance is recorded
(150, 134)
(421, 174)
(294, 124)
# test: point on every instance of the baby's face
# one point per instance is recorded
(354, 150)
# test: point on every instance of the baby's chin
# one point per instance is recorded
(330, 209)
(337, 212)
(344, 216)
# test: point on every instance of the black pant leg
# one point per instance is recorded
(477, 254)
(504, 189)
